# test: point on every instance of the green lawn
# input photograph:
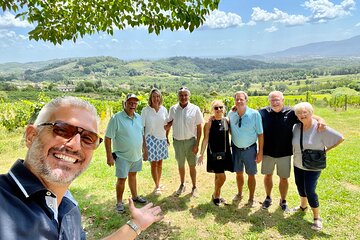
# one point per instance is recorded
(189, 218)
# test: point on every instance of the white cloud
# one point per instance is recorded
(83, 43)
(271, 29)
(7, 34)
(10, 38)
(219, 19)
(357, 25)
(114, 40)
(9, 20)
(324, 10)
(251, 23)
(260, 15)
(23, 37)
(278, 16)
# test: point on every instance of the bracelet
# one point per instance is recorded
(134, 227)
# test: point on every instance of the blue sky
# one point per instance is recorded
(237, 28)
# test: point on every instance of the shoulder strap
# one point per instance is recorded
(301, 136)
(224, 122)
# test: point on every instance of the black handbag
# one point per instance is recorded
(311, 158)
(216, 156)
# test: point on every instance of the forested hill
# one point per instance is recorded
(58, 70)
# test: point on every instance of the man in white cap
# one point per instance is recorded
(126, 148)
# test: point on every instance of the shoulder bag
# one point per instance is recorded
(312, 159)
(216, 156)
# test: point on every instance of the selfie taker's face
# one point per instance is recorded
(54, 158)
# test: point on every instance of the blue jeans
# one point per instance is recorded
(306, 182)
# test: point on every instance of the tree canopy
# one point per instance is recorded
(59, 20)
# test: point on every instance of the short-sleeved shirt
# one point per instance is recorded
(278, 131)
(251, 127)
(154, 121)
(126, 135)
(185, 120)
(29, 211)
(312, 139)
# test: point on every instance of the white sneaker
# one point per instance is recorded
(317, 225)
(237, 197)
(195, 192)
(157, 191)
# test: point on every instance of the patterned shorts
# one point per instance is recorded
(157, 148)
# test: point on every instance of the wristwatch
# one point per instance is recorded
(134, 227)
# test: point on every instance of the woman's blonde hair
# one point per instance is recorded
(213, 103)
(154, 90)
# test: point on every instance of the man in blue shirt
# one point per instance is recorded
(124, 143)
(246, 129)
(35, 202)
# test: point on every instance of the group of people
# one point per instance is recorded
(35, 197)
(268, 136)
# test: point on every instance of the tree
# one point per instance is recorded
(61, 20)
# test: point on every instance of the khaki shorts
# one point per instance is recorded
(183, 151)
(283, 166)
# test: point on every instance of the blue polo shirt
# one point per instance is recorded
(251, 127)
(29, 211)
(126, 135)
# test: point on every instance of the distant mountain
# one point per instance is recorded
(333, 49)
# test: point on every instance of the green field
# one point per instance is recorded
(189, 218)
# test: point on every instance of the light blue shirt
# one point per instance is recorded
(251, 127)
(126, 135)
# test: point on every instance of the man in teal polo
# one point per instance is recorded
(126, 148)
(246, 130)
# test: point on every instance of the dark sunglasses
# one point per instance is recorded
(239, 123)
(89, 139)
(217, 108)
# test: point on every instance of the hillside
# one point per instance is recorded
(109, 75)
(110, 67)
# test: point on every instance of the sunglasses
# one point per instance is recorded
(239, 123)
(89, 139)
(217, 108)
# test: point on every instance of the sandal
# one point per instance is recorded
(216, 201)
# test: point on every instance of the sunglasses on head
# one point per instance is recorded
(217, 108)
(89, 139)
(239, 123)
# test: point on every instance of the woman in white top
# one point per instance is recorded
(306, 179)
(154, 118)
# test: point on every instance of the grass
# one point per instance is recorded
(189, 218)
